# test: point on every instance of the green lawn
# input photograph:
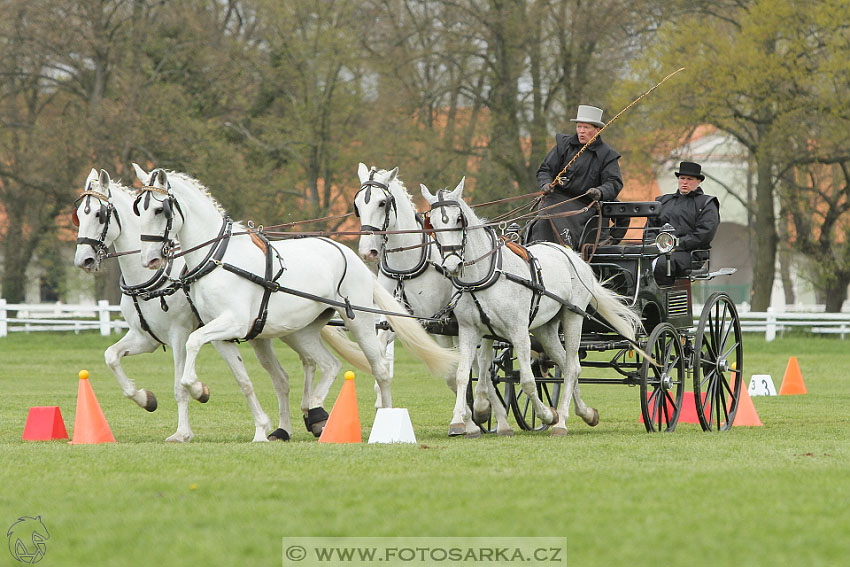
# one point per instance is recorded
(772, 495)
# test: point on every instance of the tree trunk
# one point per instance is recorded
(836, 293)
(766, 239)
(786, 258)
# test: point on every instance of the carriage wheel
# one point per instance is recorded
(526, 417)
(662, 387)
(548, 390)
(718, 363)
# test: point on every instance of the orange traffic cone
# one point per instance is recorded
(89, 424)
(343, 424)
(746, 414)
(792, 382)
(44, 423)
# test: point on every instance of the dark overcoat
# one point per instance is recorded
(597, 166)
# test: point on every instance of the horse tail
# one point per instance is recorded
(437, 359)
(618, 314)
(614, 311)
(345, 347)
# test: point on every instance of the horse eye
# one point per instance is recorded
(382, 203)
(158, 211)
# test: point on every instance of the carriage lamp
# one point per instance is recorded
(666, 240)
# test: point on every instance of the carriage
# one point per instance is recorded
(709, 354)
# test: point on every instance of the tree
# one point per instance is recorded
(750, 69)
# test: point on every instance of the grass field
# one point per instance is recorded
(773, 495)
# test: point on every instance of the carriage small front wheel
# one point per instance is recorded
(718, 363)
(662, 385)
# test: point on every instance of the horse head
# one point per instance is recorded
(160, 216)
(450, 222)
(93, 215)
(376, 207)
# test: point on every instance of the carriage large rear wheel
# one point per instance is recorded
(662, 387)
(718, 363)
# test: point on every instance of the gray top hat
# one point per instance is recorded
(589, 115)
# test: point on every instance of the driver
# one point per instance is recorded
(594, 176)
(694, 217)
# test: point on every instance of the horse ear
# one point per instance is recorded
(393, 174)
(143, 176)
(163, 180)
(104, 180)
(427, 194)
(362, 172)
(459, 189)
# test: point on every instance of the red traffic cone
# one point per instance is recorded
(343, 424)
(792, 382)
(44, 423)
(90, 425)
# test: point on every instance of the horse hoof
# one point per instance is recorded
(555, 413)
(473, 434)
(315, 420)
(150, 401)
(594, 421)
(558, 432)
(205, 394)
(505, 433)
(457, 429)
(279, 435)
(317, 428)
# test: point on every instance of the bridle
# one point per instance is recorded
(449, 250)
(104, 216)
(169, 205)
(389, 206)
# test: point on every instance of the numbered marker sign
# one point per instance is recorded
(762, 385)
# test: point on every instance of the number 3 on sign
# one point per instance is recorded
(761, 385)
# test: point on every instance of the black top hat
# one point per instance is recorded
(690, 169)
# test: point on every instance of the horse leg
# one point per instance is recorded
(522, 349)
(488, 392)
(313, 353)
(362, 328)
(184, 430)
(461, 416)
(385, 339)
(230, 353)
(548, 336)
(264, 351)
(134, 342)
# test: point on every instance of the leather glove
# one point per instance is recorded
(595, 193)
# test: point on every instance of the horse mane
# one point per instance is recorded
(403, 189)
(195, 184)
(468, 212)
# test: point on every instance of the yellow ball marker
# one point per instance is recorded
(84, 374)
(349, 375)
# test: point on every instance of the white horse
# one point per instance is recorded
(268, 290)
(406, 268)
(498, 298)
(159, 314)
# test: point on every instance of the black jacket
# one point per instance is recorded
(596, 167)
(695, 217)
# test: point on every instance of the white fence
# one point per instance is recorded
(771, 323)
(58, 317)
